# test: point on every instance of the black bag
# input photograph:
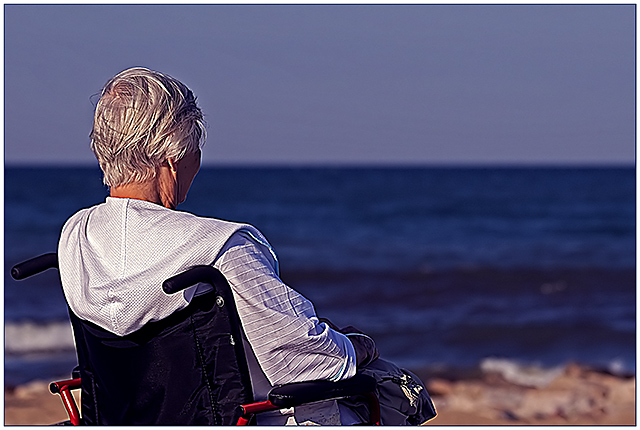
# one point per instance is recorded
(403, 398)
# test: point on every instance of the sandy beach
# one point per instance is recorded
(576, 395)
(572, 395)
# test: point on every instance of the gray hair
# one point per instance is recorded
(143, 119)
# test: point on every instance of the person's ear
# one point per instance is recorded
(172, 165)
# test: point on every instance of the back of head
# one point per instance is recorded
(143, 119)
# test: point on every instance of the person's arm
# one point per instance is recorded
(288, 340)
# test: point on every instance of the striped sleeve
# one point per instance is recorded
(281, 326)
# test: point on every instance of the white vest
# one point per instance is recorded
(113, 258)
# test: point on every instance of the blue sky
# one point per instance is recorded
(338, 84)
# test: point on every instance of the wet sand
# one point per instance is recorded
(576, 396)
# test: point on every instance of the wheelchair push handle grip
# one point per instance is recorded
(188, 278)
(34, 266)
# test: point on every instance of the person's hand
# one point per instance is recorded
(365, 347)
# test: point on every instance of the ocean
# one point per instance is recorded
(446, 268)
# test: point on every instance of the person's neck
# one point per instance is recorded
(147, 191)
(160, 189)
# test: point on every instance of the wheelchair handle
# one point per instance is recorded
(188, 278)
(34, 266)
(172, 285)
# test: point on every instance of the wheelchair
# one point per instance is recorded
(187, 369)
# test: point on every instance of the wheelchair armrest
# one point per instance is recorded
(298, 393)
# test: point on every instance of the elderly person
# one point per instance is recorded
(114, 256)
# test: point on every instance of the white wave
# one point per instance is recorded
(527, 375)
(30, 337)
(618, 367)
